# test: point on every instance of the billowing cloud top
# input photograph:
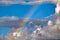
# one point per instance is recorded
(48, 31)
(6, 2)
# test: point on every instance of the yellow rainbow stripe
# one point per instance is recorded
(30, 13)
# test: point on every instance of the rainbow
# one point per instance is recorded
(25, 20)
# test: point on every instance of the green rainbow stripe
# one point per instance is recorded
(30, 13)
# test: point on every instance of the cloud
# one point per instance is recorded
(5, 18)
(7, 21)
(52, 31)
(49, 32)
(7, 2)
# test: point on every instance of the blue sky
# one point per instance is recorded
(4, 30)
(14, 10)
(21, 11)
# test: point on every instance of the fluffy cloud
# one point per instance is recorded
(47, 33)
(6, 2)
(52, 31)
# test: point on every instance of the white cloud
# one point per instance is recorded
(5, 18)
(53, 31)
(14, 18)
(50, 31)
(6, 2)
(49, 22)
(11, 21)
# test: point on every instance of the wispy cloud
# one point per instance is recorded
(5, 18)
(7, 21)
(7, 2)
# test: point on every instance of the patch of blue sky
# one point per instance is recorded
(4, 30)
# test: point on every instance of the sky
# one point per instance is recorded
(21, 11)
(37, 11)
(4, 30)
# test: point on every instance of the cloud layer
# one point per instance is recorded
(5, 18)
(48, 32)
(7, 21)
(7, 2)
